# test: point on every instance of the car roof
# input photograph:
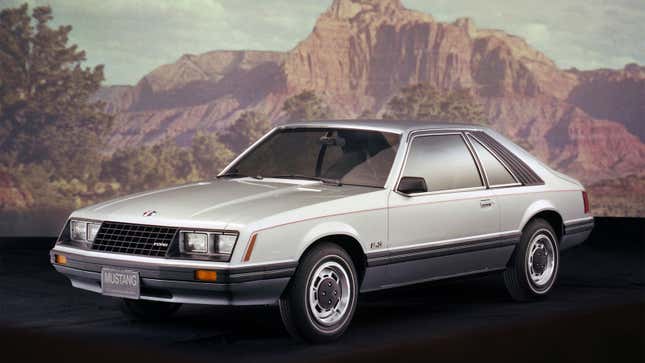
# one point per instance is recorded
(396, 126)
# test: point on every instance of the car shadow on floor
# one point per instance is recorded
(382, 308)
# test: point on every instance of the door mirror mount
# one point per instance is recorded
(411, 185)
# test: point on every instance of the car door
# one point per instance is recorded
(438, 232)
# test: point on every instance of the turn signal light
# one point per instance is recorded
(206, 275)
(249, 249)
(60, 259)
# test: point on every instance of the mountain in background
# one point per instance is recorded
(361, 52)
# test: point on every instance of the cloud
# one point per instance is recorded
(132, 37)
(537, 33)
(575, 33)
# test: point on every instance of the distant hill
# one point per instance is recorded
(360, 52)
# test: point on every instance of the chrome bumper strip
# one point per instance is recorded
(167, 262)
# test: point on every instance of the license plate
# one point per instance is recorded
(120, 283)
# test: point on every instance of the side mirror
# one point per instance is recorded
(412, 184)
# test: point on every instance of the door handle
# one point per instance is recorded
(485, 203)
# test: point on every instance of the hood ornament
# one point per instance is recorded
(149, 213)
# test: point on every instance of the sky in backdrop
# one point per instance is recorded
(132, 37)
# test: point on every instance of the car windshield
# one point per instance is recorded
(340, 156)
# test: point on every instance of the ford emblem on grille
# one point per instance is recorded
(149, 213)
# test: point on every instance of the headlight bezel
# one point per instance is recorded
(218, 243)
(84, 237)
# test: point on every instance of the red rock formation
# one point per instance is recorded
(613, 94)
(362, 51)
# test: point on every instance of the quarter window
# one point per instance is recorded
(496, 172)
(444, 161)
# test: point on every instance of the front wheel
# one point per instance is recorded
(534, 266)
(320, 301)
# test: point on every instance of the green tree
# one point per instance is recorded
(248, 128)
(45, 107)
(130, 168)
(306, 106)
(166, 164)
(424, 102)
(173, 165)
(210, 155)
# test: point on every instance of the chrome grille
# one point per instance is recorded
(134, 239)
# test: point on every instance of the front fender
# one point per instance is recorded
(326, 229)
(290, 240)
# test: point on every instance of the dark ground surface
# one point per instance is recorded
(595, 313)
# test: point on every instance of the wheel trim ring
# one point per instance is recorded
(541, 282)
(329, 317)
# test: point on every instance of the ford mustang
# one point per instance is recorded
(314, 213)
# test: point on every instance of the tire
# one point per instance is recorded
(148, 311)
(326, 272)
(533, 269)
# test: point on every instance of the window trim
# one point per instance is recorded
(522, 170)
(472, 138)
(428, 133)
(480, 167)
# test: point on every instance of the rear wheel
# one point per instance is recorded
(320, 301)
(534, 266)
(146, 310)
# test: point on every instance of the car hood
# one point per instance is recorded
(217, 203)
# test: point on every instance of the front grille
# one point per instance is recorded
(134, 239)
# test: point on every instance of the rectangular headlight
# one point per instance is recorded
(78, 231)
(224, 243)
(92, 230)
(207, 243)
(195, 242)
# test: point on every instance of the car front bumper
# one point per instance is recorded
(173, 280)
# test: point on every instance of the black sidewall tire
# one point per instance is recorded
(516, 276)
(294, 304)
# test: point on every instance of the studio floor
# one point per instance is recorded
(595, 313)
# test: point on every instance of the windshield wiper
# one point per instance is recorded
(239, 175)
(232, 175)
(307, 177)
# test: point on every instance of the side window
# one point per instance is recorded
(496, 172)
(444, 161)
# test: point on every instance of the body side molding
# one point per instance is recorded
(426, 252)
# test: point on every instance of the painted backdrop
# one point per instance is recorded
(70, 137)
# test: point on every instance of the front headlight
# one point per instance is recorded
(78, 231)
(225, 243)
(92, 231)
(83, 231)
(195, 242)
(207, 243)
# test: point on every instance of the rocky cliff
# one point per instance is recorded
(588, 123)
(613, 94)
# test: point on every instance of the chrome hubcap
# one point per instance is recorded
(329, 293)
(541, 259)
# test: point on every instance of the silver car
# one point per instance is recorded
(315, 213)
